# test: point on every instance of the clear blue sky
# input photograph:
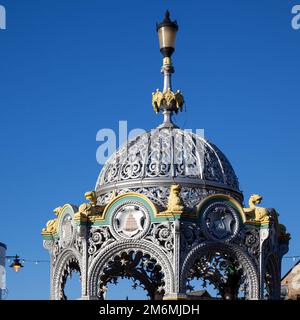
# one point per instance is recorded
(70, 68)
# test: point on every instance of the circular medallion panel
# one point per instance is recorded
(220, 222)
(130, 220)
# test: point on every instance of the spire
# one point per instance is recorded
(167, 100)
(167, 16)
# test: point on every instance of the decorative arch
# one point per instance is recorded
(98, 274)
(241, 262)
(68, 261)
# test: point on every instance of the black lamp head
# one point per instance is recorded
(167, 34)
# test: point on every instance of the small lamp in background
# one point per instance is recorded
(16, 265)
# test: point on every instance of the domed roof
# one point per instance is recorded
(153, 161)
(164, 156)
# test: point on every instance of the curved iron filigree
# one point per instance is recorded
(224, 272)
(136, 266)
(225, 267)
(71, 265)
(168, 153)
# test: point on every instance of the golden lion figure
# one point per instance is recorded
(88, 208)
(256, 213)
(52, 224)
(91, 208)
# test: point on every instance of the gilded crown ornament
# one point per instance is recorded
(167, 100)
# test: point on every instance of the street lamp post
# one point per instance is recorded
(167, 101)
